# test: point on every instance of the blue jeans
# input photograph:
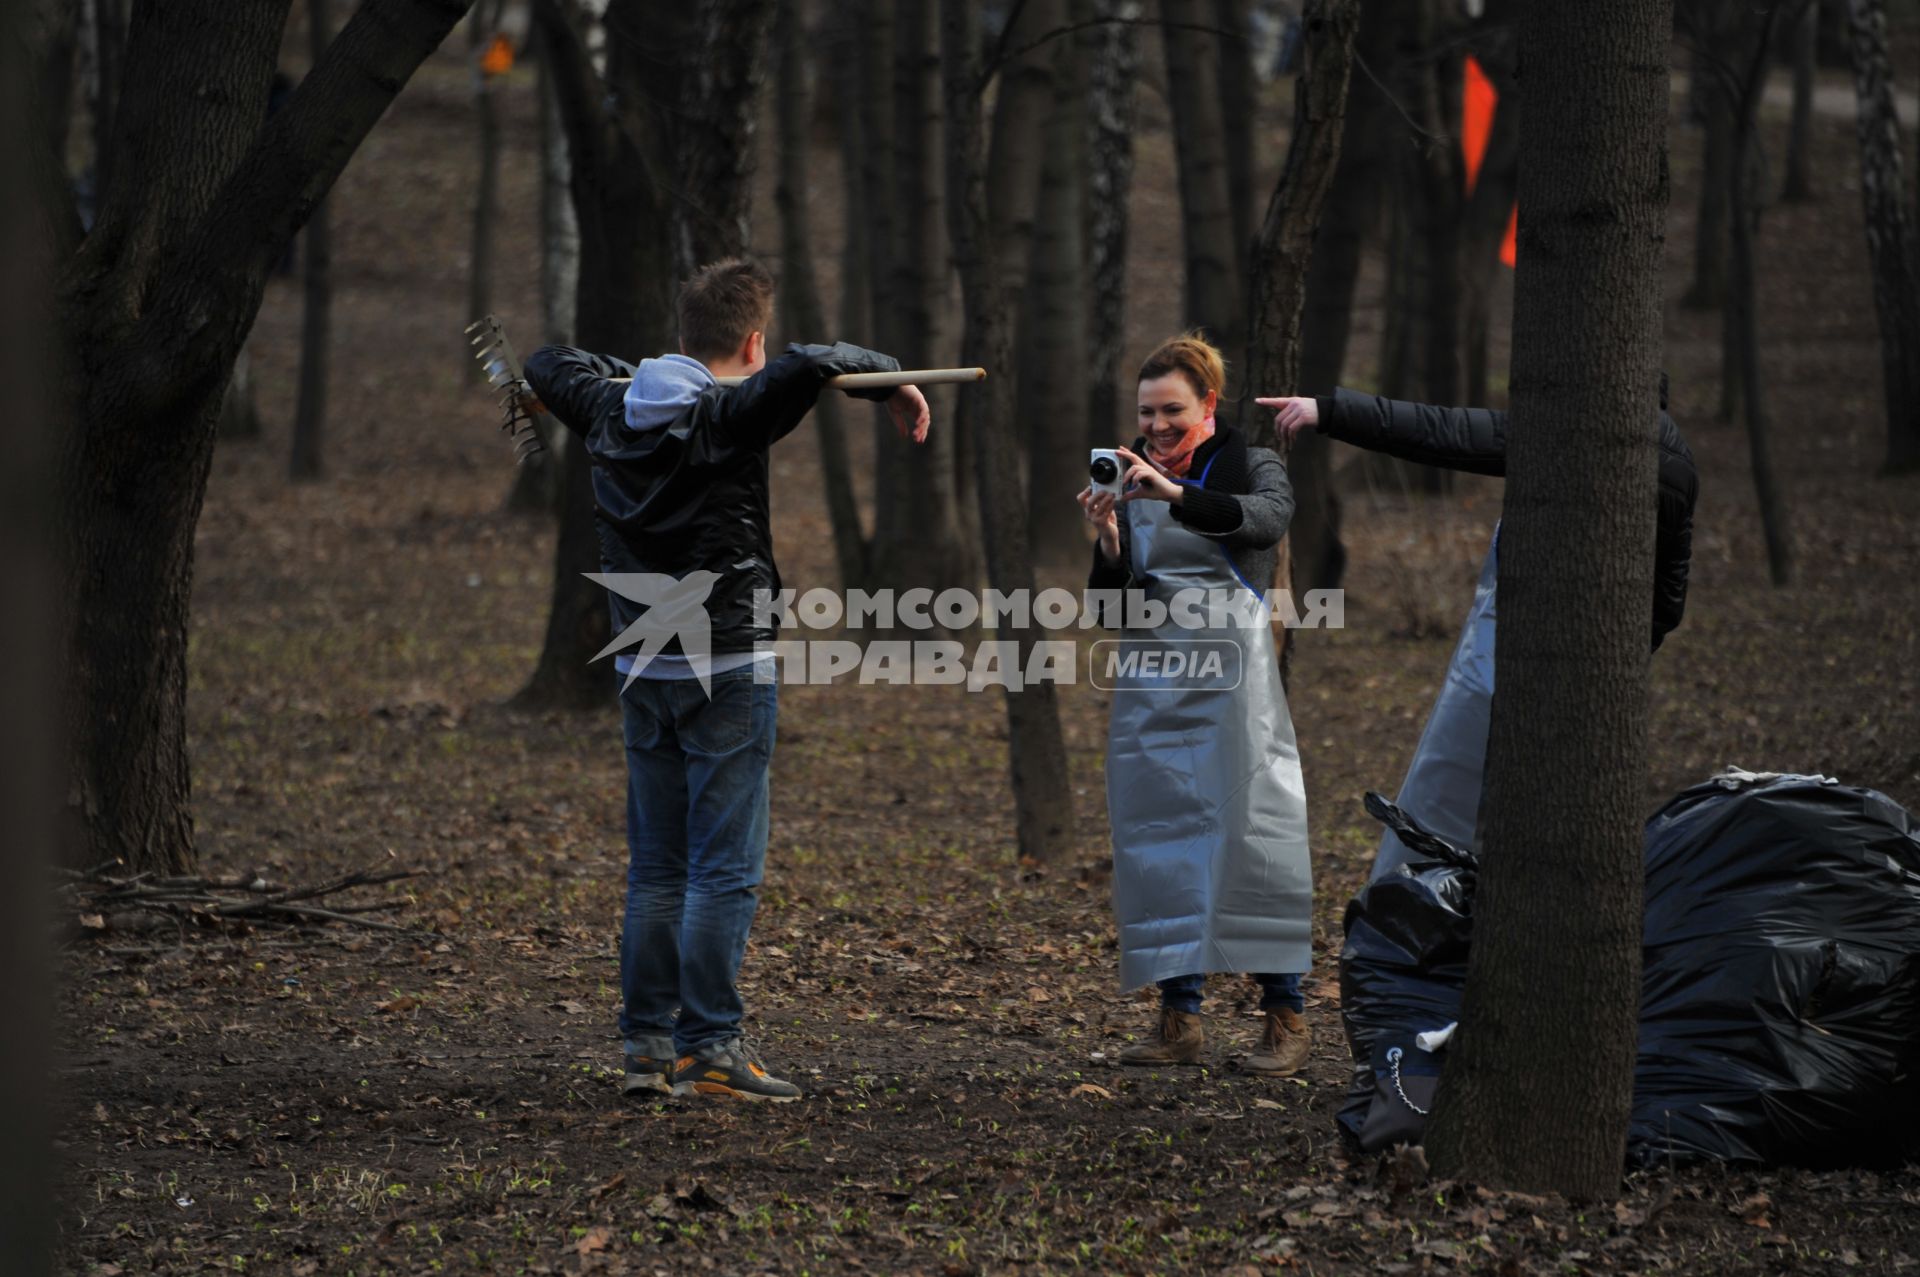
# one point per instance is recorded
(1182, 993)
(697, 845)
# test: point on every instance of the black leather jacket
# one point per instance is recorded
(692, 494)
(1475, 440)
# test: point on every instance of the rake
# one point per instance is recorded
(519, 405)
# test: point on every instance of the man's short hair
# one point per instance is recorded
(721, 304)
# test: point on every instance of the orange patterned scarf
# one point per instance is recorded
(1175, 461)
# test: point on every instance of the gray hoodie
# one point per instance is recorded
(662, 387)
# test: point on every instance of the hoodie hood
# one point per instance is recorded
(662, 388)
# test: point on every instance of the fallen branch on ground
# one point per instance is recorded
(102, 902)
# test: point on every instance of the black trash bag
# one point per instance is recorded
(1780, 996)
(1780, 1000)
(1402, 970)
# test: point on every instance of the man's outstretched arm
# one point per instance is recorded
(773, 401)
(575, 385)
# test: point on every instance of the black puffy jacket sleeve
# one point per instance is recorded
(773, 401)
(1470, 439)
(578, 388)
(1475, 440)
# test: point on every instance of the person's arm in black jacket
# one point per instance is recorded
(773, 401)
(1470, 439)
(577, 387)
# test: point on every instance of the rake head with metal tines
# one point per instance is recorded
(518, 404)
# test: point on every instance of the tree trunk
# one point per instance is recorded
(1210, 300)
(1744, 183)
(538, 481)
(1318, 557)
(1284, 249)
(1239, 122)
(104, 52)
(1890, 235)
(31, 597)
(802, 314)
(923, 545)
(1742, 322)
(1113, 64)
(1538, 1089)
(1420, 358)
(1054, 322)
(152, 316)
(880, 238)
(1282, 254)
(1806, 35)
(486, 199)
(625, 304)
(1043, 800)
(713, 123)
(1709, 287)
(316, 322)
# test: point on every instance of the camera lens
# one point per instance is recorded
(1104, 470)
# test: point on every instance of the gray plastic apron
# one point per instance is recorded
(1442, 788)
(1209, 814)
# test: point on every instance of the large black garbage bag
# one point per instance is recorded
(1780, 999)
(1402, 968)
(1780, 1004)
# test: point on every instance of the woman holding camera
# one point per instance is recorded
(1204, 794)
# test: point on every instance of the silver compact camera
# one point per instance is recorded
(1105, 470)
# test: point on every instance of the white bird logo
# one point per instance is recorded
(676, 608)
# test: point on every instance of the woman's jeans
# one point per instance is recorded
(1182, 993)
(697, 844)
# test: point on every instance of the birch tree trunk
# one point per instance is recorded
(1539, 1085)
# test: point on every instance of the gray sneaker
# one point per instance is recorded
(730, 1070)
(649, 1064)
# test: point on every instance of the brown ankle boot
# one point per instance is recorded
(1176, 1039)
(1283, 1047)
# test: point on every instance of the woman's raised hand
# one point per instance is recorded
(1292, 414)
(1144, 482)
(1098, 509)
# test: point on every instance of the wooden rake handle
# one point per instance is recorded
(905, 377)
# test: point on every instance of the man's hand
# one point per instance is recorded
(1292, 414)
(911, 416)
